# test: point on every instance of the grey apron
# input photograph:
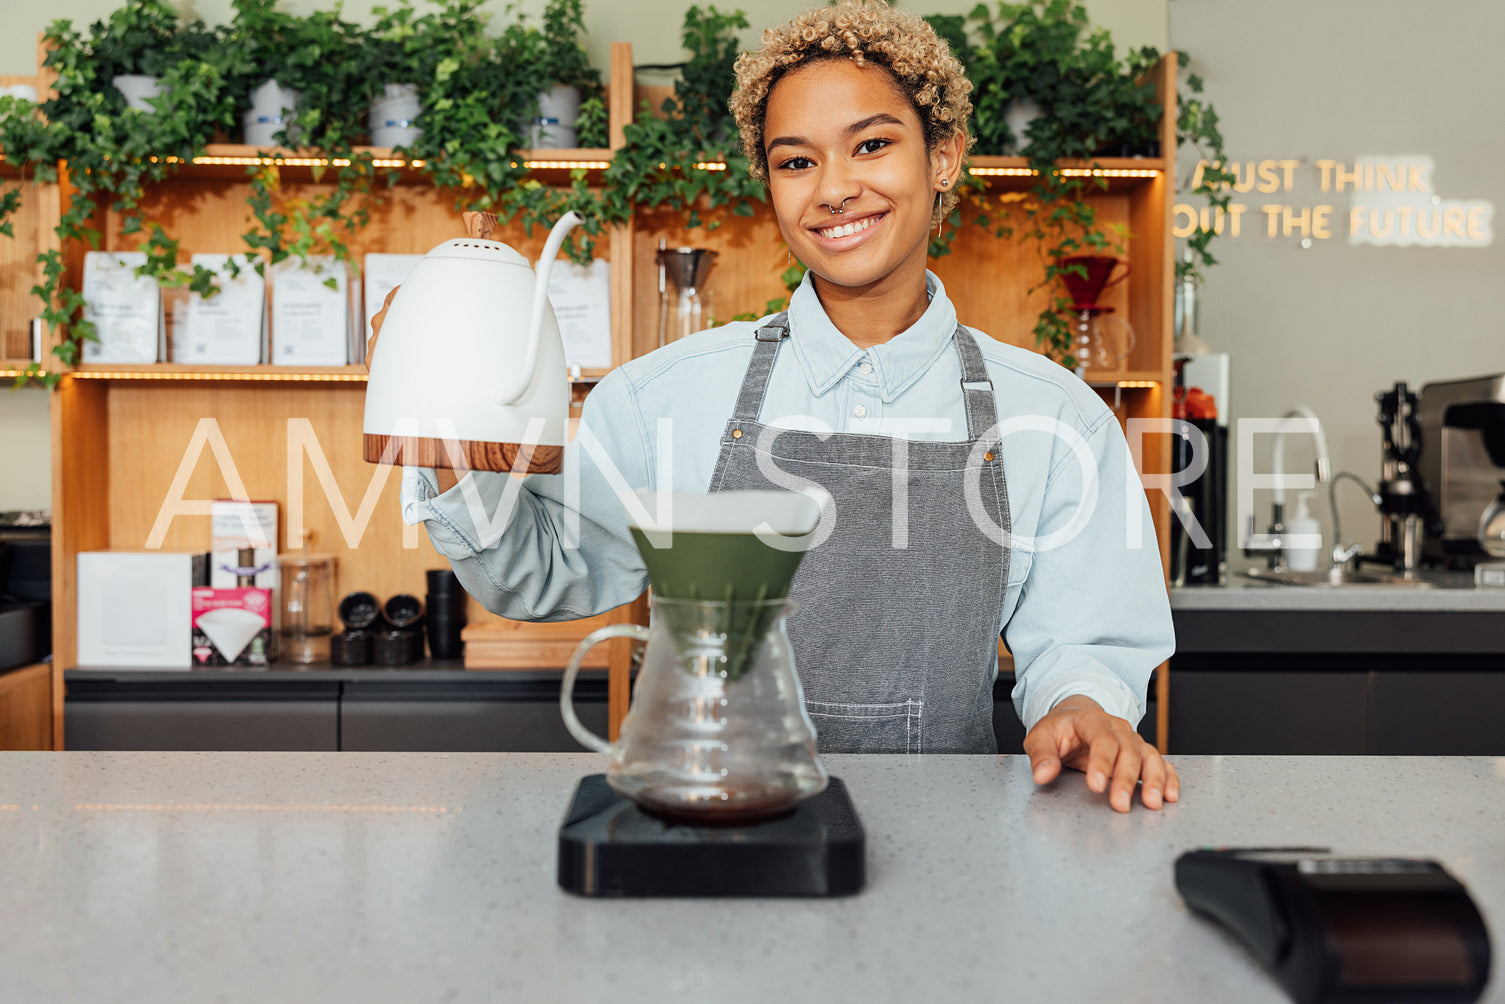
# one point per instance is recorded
(895, 640)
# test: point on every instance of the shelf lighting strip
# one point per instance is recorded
(565, 165)
(255, 377)
(1138, 383)
(1068, 172)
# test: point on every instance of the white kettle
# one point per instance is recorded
(457, 379)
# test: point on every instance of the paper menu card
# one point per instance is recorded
(310, 312)
(125, 309)
(226, 328)
(383, 272)
(581, 297)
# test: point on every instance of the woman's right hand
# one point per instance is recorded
(376, 323)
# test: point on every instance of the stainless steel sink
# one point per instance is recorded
(1333, 580)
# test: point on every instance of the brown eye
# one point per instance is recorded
(872, 145)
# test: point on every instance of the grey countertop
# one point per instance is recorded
(426, 876)
(1447, 592)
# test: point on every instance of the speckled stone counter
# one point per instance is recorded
(376, 877)
(1452, 592)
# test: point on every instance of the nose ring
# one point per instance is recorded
(838, 209)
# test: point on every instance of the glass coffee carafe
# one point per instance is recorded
(307, 611)
(717, 731)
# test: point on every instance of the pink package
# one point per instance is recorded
(232, 627)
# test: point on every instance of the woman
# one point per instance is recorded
(977, 487)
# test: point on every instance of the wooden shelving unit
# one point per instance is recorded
(120, 432)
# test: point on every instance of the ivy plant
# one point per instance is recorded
(659, 164)
(114, 152)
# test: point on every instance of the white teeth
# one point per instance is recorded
(848, 229)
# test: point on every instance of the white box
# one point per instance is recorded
(310, 313)
(134, 608)
(236, 525)
(125, 309)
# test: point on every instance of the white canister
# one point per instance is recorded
(138, 90)
(554, 126)
(270, 113)
(1018, 115)
(393, 118)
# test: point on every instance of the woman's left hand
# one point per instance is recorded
(1080, 734)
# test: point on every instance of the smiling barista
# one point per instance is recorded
(1005, 506)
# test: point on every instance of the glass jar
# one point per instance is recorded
(1492, 526)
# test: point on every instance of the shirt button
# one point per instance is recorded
(866, 369)
(860, 411)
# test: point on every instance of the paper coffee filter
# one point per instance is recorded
(230, 629)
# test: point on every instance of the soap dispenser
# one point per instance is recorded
(1302, 524)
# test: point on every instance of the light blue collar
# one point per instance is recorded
(825, 354)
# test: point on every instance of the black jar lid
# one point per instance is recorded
(403, 610)
(359, 610)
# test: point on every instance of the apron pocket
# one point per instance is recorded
(866, 728)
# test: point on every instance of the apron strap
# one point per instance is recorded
(755, 381)
(977, 388)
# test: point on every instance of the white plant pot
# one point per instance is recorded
(554, 128)
(270, 112)
(138, 90)
(1019, 114)
(393, 117)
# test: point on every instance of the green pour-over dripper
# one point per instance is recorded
(734, 550)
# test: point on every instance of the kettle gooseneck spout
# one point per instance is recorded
(516, 383)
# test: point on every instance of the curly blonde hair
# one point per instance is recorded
(864, 31)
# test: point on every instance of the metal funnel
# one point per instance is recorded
(686, 268)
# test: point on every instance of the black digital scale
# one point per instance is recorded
(1351, 930)
(608, 847)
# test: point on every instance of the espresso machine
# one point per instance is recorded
(1462, 461)
(1408, 510)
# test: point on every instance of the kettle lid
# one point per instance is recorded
(475, 249)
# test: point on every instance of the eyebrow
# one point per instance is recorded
(882, 118)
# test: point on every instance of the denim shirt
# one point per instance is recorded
(1086, 611)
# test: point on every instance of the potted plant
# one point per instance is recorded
(136, 46)
(564, 63)
(403, 55)
(657, 165)
(112, 151)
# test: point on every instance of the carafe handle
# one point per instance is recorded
(572, 721)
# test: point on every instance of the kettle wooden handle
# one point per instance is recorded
(479, 225)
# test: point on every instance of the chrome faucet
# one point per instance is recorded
(1275, 547)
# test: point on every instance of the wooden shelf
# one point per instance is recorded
(1119, 173)
(1125, 379)
(260, 373)
(120, 432)
(231, 160)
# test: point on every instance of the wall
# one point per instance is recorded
(1332, 325)
(23, 418)
(25, 450)
(652, 26)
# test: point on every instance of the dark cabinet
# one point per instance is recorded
(1315, 703)
(444, 710)
(188, 714)
(508, 714)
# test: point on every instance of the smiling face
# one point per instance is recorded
(843, 136)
